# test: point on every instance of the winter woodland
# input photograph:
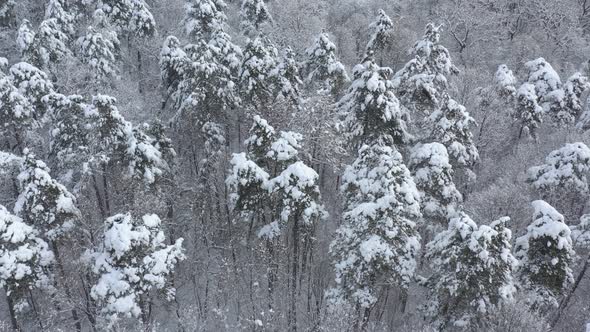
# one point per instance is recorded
(301, 165)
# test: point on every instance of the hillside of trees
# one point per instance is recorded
(301, 165)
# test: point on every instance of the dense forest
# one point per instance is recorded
(294, 165)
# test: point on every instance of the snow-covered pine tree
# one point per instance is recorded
(204, 17)
(207, 90)
(173, 63)
(433, 176)
(259, 60)
(370, 110)
(472, 272)
(544, 78)
(133, 259)
(286, 77)
(65, 20)
(45, 47)
(24, 262)
(253, 14)
(116, 137)
(567, 105)
(7, 14)
(99, 52)
(421, 84)
(564, 169)
(25, 38)
(299, 207)
(131, 16)
(157, 131)
(16, 113)
(142, 22)
(43, 202)
(70, 139)
(381, 33)
(450, 125)
(378, 242)
(505, 81)
(33, 84)
(258, 143)
(546, 255)
(202, 77)
(323, 69)
(246, 184)
(422, 87)
(272, 164)
(528, 112)
(269, 181)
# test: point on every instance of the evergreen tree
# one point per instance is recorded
(528, 112)
(378, 242)
(70, 139)
(7, 15)
(204, 17)
(422, 87)
(46, 46)
(132, 260)
(99, 53)
(207, 90)
(259, 60)
(33, 84)
(370, 109)
(564, 169)
(65, 20)
(25, 38)
(381, 33)
(324, 70)
(544, 78)
(117, 138)
(272, 165)
(450, 125)
(246, 183)
(566, 102)
(286, 76)
(131, 16)
(472, 272)
(422, 83)
(43, 202)
(16, 112)
(202, 77)
(434, 179)
(142, 22)
(173, 63)
(24, 262)
(253, 14)
(258, 143)
(505, 81)
(271, 178)
(546, 255)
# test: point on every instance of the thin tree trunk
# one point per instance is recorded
(295, 262)
(60, 267)
(99, 199)
(13, 320)
(105, 185)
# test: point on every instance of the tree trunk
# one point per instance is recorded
(292, 317)
(13, 320)
(66, 287)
